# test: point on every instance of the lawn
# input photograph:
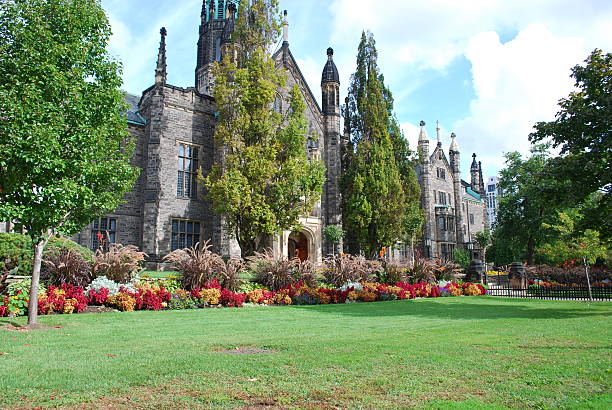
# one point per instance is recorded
(462, 352)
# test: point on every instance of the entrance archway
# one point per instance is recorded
(297, 246)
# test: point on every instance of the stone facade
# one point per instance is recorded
(166, 120)
(454, 209)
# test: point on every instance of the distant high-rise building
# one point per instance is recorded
(493, 193)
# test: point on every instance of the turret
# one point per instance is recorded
(423, 143)
(474, 175)
(161, 74)
(453, 154)
(330, 89)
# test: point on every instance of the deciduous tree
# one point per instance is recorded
(263, 181)
(64, 146)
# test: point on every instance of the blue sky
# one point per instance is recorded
(486, 69)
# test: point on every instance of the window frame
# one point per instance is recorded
(110, 234)
(194, 165)
(182, 225)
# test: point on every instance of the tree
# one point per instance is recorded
(574, 245)
(525, 204)
(333, 233)
(483, 239)
(263, 180)
(581, 130)
(64, 146)
(377, 194)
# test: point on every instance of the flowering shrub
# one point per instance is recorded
(16, 298)
(454, 289)
(205, 297)
(63, 299)
(473, 289)
(110, 285)
(232, 299)
(97, 298)
(181, 299)
(259, 296)
(122, 301)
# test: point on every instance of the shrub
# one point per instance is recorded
(16, 297)
(229, 274)
(461, 257)
(259, 296)
(232, 299)
(120, 263)
(17, 251)
(196, 265)
(567, 274)
(63, 299)
(392, 272)
(97, 298)
(113, 287)
(66, 266)
(207, 297)
(276, 273)
(343, 268)
(122, 301)
(181, 299)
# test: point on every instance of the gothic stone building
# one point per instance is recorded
(454, 209)
(174, 129)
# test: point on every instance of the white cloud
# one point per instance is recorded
(517, 84)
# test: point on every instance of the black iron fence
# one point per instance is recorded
(557, 292)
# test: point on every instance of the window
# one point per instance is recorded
(471, 219)
(107, 227)
(442, 223)
(441, 173)
(442, 196)
(185, 234)
(221, 9)
(440, 155)
(491, 188)
(187, 170)
(435, 197)
(447, 250)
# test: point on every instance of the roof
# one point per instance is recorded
(330, 71)
(470, 193)
(133, 112)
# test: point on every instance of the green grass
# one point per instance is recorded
(465, 352)
(158, 274)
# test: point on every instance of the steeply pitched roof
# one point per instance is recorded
(133, 113)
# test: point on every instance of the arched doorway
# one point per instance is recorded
(297, 246)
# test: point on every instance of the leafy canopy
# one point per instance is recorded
(64, 147)
(263, 181)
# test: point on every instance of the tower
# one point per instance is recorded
(453, 154)
(216, 25)
(330, 88)
(426, 204)
(475, 175)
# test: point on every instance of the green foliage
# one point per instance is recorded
(67, 266)
(525, 205)
(64, 147)
(573, 245)
(333, 233)
(581, 130)
(276, 273)
(264, 181)
(381, 191)
(461, 257)
(16, 250)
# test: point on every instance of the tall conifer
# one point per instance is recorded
(380, 187)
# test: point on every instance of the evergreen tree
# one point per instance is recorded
(381, 193)
(263, 181)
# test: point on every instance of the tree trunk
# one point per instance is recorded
(586, 271)
(33, 302)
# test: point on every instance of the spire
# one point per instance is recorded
(160, 71)
(285, 28)
(474, 166)
(423, 134)
(438, 133)
(330, 71)
(203, 12)
(453, 145)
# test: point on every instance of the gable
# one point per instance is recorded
(296, 77)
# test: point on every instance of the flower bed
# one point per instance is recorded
(152, 295)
